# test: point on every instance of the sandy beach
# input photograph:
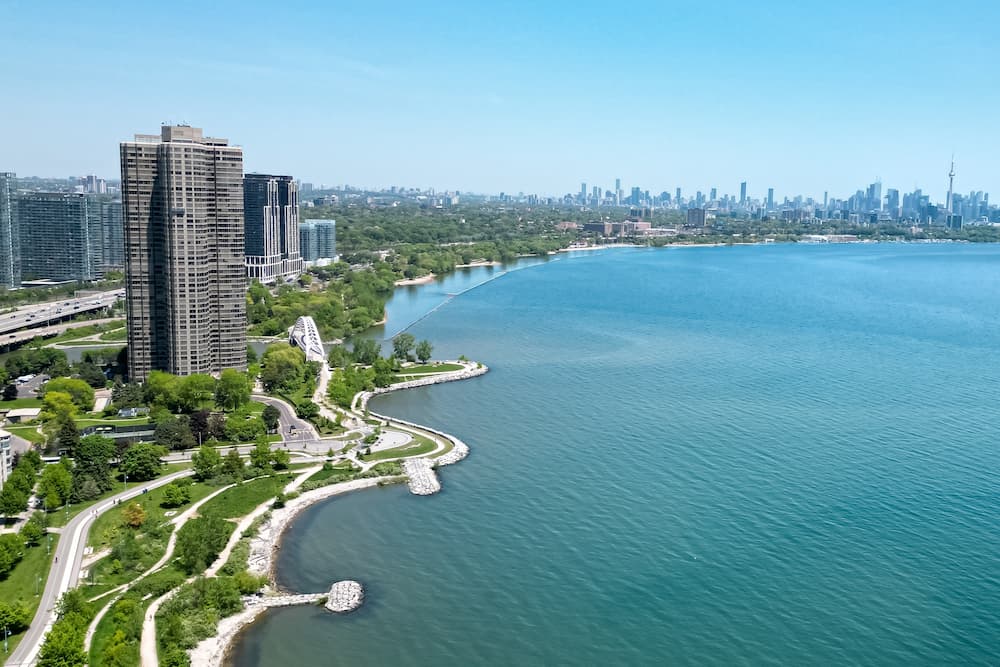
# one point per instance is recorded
(422, 280)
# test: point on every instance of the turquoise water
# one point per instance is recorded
(781, 455)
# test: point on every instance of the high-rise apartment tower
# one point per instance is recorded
(182, 202)
(10, 236)
(271, 212)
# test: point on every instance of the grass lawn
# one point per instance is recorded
(115, 335)
(243, 499)
(59, 517)
(152, 585)
(21, 583)
(339, 469)
(417, 447)
(255, 407)
(85, 330)
(150, 539)
(429, 368)
(90, 343)
(21, 403)
(27, 432)
(110, 421)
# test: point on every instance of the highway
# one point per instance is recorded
(25, 335)
(40, 314)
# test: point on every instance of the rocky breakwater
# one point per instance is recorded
(421, 477)
(345, 596)
(469, 370)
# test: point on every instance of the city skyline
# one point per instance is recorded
(799, 98)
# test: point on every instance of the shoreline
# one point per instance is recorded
(214, 651)
(422, 280)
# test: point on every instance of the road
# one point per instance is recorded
(66, 568)
(55, 330)
(42, 313)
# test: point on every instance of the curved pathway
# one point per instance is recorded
(66, 568)
(147, 646)
(178, 521)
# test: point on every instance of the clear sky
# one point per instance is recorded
(532, 96)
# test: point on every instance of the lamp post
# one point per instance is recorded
(38, 583)
(48, 548)
(6, 633)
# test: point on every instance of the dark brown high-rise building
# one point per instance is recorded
(182, 201)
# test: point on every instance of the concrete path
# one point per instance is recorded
(147, 647)
(65, 569)
(178, 521)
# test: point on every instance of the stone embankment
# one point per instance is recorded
(345, 596)
(421, 477)
(267, 541)
(469, 370)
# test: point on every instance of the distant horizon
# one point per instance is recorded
(779, 194)
(529, 97)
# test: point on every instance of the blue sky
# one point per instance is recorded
(519, 96)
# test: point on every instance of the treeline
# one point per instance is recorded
(343, 306)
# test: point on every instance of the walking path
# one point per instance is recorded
(178, 521)
(147, 647)
(65, 570)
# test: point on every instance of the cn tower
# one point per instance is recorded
(951, 184)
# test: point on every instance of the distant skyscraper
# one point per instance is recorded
(696, 217)
(318, 240)
(271, 214)
(770, 198)
(874, 196)
(618, 192)
(677, 197)
(112, 237)
(182, 197)
(951, 184)
(60, 235)
(713, 194)
(583, 193)
(743, 193)
(10, 235)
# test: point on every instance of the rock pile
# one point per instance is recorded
(422, 479)
(345, 596)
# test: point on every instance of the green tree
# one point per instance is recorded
(206, 462)
(58, 405)
(199, 541)
(280, 459)
(232, 390)
(13, 500)
(402, 345)
(81, 393)
(161, 389)
(424, 351)
(366, 351)
(174, 434)
(14, 615)
(141, 462)
(128, 395)
(67, 437)
(271, 416)
(232, 464)
(91, 374)
(284, 367)
(175, 495)
(260, 455)
(339, 356)
(34, 528)
(92, 467)
(56, 484)
(193, 391)
(11, 552)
